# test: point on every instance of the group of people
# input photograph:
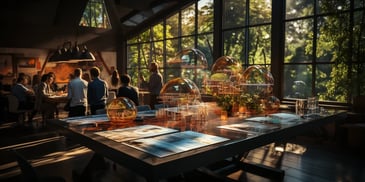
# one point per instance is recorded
(33, 98)
(80, 92)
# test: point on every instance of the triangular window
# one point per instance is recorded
(95, 15)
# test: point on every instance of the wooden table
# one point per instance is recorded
(156, 168)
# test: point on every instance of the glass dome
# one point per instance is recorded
(257, 84)
(257, 79)
(225, 73)
(226, 65)
(121, 110)
(180, 91)
(192, 64)
(257, 75)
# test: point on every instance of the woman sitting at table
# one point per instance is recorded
(126, 90)
(44, 91)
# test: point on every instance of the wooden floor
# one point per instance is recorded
(306, 159)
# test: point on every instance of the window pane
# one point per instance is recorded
(188, 20)
(172, 26)
(132, 56)
(299, 8)
(172, 48)
(133, 40)
(359, 3)
(145, 36)
(327, 6)
(298, 41)
(297, 81)
(157, 51)
(260, 45)
(331, 82)
(187, 42)
(157, 32)
(260, 11)
(205, 44)
(333, 39)
(144, 54)
(234, 44)
(205, 17)
(234, 13)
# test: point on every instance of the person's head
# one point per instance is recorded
(36, 79)
(153, 67)
(94, 72)
(44, 78)
(52, 74)
(115, 74)
(115, 78)
(49, 78)
(77, 73)
(125, 79)
(22, 78)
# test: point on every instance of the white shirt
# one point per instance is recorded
(77, 92)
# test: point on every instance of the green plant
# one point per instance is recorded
(225, 101)
(250, 101)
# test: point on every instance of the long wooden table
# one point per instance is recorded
(155, 168)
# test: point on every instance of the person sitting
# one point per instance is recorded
(126, 90)
(43, 92)
(24, 95)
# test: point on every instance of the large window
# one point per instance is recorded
(191, 27)
(322, 47)
(247, 31)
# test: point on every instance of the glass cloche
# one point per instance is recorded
(121, 110)
(192, 64)
(256, 85)
(180, 91)
(225, 73)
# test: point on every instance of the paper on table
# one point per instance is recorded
(142, 131)
(165, 145)
(251, 127)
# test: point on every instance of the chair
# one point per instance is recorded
(13, 108)
(30, 175)
(143, 108)
(111, 96)
(159, 106)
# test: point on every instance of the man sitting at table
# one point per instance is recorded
(24, 95)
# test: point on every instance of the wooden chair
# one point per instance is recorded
(13, 109)
(30, 175)
(351, 132)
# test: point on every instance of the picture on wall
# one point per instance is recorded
(6, 64)
(27, 62)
